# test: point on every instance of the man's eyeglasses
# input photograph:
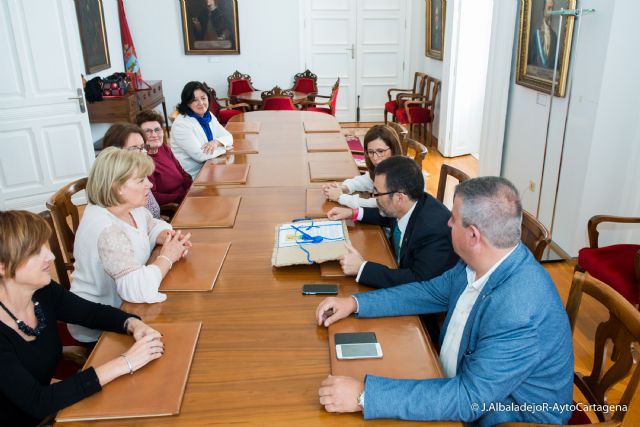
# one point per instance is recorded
(157, 131)
(374, 194)
(140, 148)
(379, 152)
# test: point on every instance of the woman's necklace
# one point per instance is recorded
(28, 330)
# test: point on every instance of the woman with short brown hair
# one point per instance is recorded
(30, 306)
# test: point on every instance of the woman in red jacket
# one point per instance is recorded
(170, 181)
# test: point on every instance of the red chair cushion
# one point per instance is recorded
(417, 115)
(278, 104)
(305, 85)
(319, 110)
(615, 266)
(237, 87)
(578, 417)
(226, 114)
(390, 106)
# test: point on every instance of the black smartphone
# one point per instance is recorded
(319, 289)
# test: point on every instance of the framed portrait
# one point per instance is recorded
(210, 27)
(93, 35)
(537, 41)
(435, 19)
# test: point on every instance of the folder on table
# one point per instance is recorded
(315, 126)
(198, 271)
(408, 352)
(372, 245)
(207, 212)
(243, 127)
(154, 390)
(321, 170)
(317, 204)
(244, 144)
(318, 142)
(212, 174)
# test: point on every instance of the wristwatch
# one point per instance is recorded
(361, 400)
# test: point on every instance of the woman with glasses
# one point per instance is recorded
(116, 236)
(169, 179)
(196, 135)
(130, 137)
(380, 142)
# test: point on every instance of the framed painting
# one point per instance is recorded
(210, 27)
(537, 42)
(435, 19)
(93, 35)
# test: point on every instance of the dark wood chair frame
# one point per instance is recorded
(534, 235)
(427, 100)
(277, 92)
(402, 95)
(309, 103)
(237, 75)
(306, 74)
(420, 151)
(445, 171)
(403, 134)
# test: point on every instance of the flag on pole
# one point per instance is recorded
(131, 64)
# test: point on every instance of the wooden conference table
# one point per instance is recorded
(260, 357)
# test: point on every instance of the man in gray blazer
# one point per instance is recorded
(507, 347)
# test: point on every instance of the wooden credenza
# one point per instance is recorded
(124, 109)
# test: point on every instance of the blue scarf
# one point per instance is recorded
(204, 122)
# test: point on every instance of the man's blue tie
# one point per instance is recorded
(396, 241)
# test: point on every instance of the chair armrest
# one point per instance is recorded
(314, 103)
(592, 225)
(395, 89)
(244, 106)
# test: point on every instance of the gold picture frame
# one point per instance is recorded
(537, 41)
(434, 28)
(93, 35)
(210, 27)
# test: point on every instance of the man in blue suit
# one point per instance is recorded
(506, 347)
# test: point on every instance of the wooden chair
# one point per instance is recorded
(419, 149)
(305, 82)
(54, 245)
(445, 172)
(621, 333)
(223, 109)
(329, 106)
(403, 134)
(238, 83)
(64, 211)
(397, 96)
(617, 265)
(534, 235)
(419, 110)
(277, 99)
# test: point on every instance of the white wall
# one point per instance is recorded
(600, 155)
(269, 47)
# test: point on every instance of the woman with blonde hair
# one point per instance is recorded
(30, 347)
(380, 142)
(116, 236)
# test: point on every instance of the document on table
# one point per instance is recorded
(309, 242)
(309, 232)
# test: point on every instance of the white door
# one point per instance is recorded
(45, 139)
(380, 54)
(362, 42)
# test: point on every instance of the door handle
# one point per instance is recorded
(352, 49)
(80, 98)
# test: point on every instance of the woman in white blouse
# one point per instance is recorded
(380, 142)
(196, 135)
(117, 234)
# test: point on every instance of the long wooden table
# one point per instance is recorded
(260, 357)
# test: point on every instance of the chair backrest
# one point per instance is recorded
(534, 235)
(402, 132)
(62, 210)
(305, 82)
(622, 330)
(239, 83)
(214, 105)
(277, 99)
(419, 149)
(445, 172)
(54, 245)
(334, 97)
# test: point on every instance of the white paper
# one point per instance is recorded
(329, 230)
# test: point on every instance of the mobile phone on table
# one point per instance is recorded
(319, 289)
(357, 345)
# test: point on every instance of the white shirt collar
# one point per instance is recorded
(479, 284)
(404, 221)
